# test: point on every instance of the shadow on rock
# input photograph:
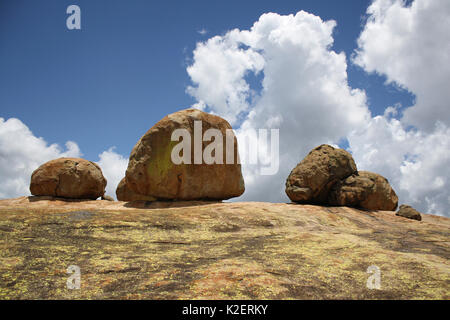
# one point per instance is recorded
(140, 204)
(50, 198)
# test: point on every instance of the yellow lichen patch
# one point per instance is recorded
(236, 279)
(193, 250)
(9, 262)
(160, 163)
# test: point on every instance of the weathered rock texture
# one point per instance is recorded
(124, 193)
(311, 180)
(200, 250)
(68, 178)
(329, 176)
(365, 190)
(151, 171)
(408, 212)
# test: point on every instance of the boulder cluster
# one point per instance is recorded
(326, 176)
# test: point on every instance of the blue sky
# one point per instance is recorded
(108, 83)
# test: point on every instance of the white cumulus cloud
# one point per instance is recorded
(113, 167)
(218, 72)
(304, 89)
(21, 153)
(305, 93)
(416, 163)
(410, 45)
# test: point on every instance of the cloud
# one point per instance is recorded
(304, 90)
(410, 45)
(305, 93)
(218, 71)
(113, 167)
(21, 153)
(416, 163)
(202, 31)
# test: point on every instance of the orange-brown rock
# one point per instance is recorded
(408, 212)
(124, 193)
(108, 198)
(68, 178)
(152, 172)
(311, 180)
(228, 250)
(365, 190)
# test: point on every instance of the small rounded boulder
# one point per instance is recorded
(72, 178)
(409, 212)
(365, 190)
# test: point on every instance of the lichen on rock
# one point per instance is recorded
(205, 250)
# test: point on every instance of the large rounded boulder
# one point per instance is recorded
(124, 193)
(311, 180)
(365, 190)
(152, 170)
(68, 178)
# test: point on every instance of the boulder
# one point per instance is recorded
(311, 180)
(408, 212)
(365, 190)
(107, 198)
(68, 178)
(152, 172)
(124, 193)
